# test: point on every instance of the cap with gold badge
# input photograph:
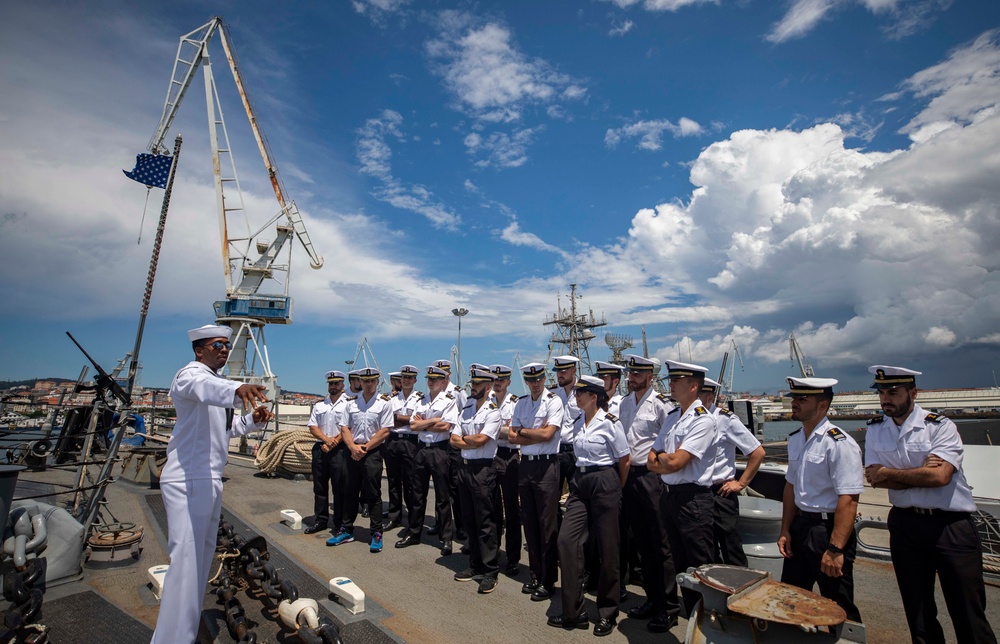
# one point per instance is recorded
(887, 377)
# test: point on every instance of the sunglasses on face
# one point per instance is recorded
(218, 346)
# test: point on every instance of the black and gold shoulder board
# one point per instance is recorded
(513, 398)
(725, 412)
(386, 397)
(350, 398)
(419, 394)
(663, 397)
(610, 417)
(700, 411)
(836, 434)
(449, 396)
(493, 405)
(795, 432)
(876, 420)
(552, 395)
(555, 386)
(934, 418)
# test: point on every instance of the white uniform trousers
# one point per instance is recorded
(193, 511)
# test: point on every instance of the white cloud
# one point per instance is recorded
(621, 29)
(513, 234)
(375, 157)
(939, 335)
(905, 17)
(491, 78)
(499, 149)
(378, 10)
(650, 133)
(660, 5)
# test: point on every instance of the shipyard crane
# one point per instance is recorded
(727, 382)
(795, 353)
(248, 260)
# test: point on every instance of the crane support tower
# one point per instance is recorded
(795, 353)
(248, 260)
(574, 330)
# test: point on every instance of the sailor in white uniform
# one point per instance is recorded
(726, 487)
(191, 481)
(824, 480)
(567, 368)
(682, 456)
(508, 465)
(328, 451)
(454, 459)
(401, 447)
(611, 374)
(535, 428)
(918, 456)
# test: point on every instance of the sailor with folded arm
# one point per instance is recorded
(918, 456)
(822, 486)
(191, 482)
(327, 464)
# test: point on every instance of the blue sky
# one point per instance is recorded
(715, 171)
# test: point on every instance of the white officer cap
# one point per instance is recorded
(887, 377)
(710, 386)
(482, 375)
(639, 363)
(443, 364)
(564, 362)
(589, 383)
(476, 365)
(684, 369)
(332, 376)
(608, 368)
(355, 373)
(501, 370)
(434, 372)
(810, 386)
(368, 373)
(533, 371)
(210, 331)
(395, 374)
(408, 370)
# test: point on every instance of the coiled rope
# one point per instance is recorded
(290, 450)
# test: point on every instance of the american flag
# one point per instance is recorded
(151, 170)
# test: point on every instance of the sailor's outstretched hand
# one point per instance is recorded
(262, 414)
(252, 395)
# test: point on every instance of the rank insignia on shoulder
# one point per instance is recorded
(674, 410)
(836, 434)
(513, 398)
(610, 417)
(385, 397)
(418, 394)
(555, 386)
(552, 395)
(725, 412)
(663, 397)
(795, 432)
(350, 398)
(493, 405)
(876, 420)
(700, 411)
(452, 397)
(934, 418)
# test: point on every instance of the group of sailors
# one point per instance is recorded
(651, 478)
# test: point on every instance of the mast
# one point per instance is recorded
(574, 330)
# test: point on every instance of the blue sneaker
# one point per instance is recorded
(376, 545)
(342, 536)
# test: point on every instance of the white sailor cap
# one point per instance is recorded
(482, 375)
(533, 371)
(356, 373)
(210, 331)
(564, 362)
(368, 373)
(589, 383)
(810, 386)
(639, 363)
(476, 365)
(887, 377)
(395, 374)
(608, 369)
(443, 364)
(434, 372)
(408, 370)
(333, 376)
(710, 386)
(684, 369)
(501, 370)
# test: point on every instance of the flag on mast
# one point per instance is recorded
(151, 170)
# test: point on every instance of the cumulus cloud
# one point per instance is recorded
(513, 234)
(488, 74)
(375, 156)
(650, 133)
(499, 149)
(378, 10)
(621, 29)
(905, 18)
(660, 5)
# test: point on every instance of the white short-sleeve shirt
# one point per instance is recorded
(365, 417)
(485, 420)
(823, 466)
(642, 420)
(532, 414)
(732, 434)
(601, 441)
(693, 431)
(445, 407)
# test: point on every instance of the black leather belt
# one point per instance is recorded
(565, 447)
(538, 457)
(641, 469)
(687, 487)
(587, 469)
(816, 516)
(477, 462)
(437, 445)
(506, 451)
(935, 512)
(405, 437)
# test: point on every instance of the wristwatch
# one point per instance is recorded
(834, 549)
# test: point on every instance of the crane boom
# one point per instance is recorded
(796, 353)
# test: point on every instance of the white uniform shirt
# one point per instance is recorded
(693, 431)
(642, 421)
(532, 414)
(199, 444)
(614, 405)
(486, 420)
(365, 417)
(506, 413)
(823, 467)
(908, 446)
(444, 407)
(601, 441)
(571, 415)
(405, 406)
(326, 415)
(732, 434)
(459, 393)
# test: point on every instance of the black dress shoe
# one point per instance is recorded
(541, 594)
(561, 621)
(314, 528)
(512, 569)
(530, 587)
(604, 626)
(407, 541)
(433, 530)
(662, 623)
(461, 535)
(446, 548)
(645, 611)
(391, 525)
